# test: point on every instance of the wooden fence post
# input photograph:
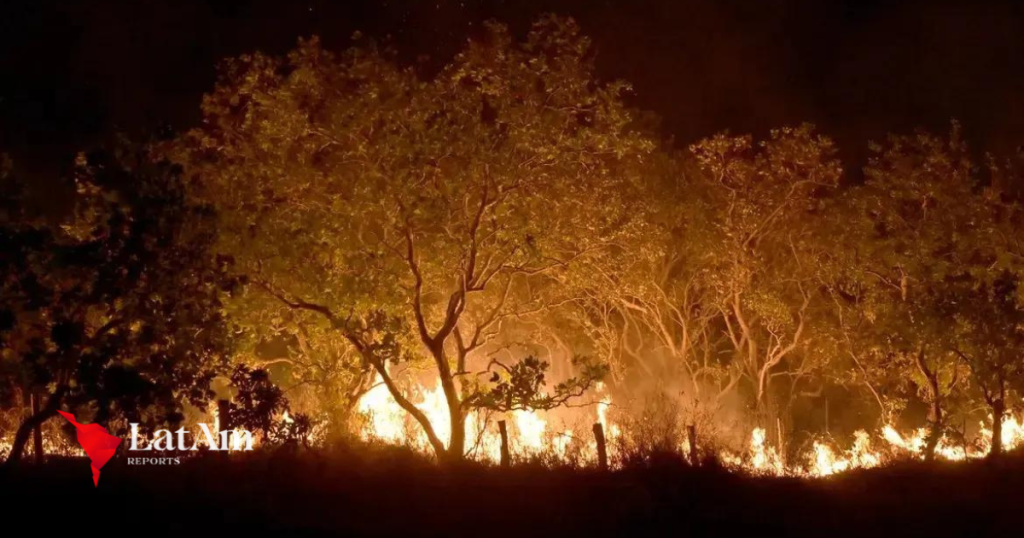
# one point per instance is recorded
(504, 443)
(602, 452)
(691, 435)
(782, 447)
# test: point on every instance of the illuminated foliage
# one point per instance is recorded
(492, 237)
(930, 253)
(412, 217)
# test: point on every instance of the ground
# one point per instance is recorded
(392, 493)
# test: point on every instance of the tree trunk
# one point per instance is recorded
(771, 417)
(457, 444)
(935, 411)
(457, 441)
(25, 431)
(935, 430)
(998, 410)
(402, 401)
(37, 433)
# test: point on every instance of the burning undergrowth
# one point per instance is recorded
(658, 427)
(636, 434)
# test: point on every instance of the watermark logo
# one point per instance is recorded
(97, 442)
(100, 446)
(165, 440)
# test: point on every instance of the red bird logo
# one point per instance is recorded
(98, 444)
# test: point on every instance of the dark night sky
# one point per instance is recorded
(72, 72)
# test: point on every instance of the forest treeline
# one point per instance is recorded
(512, 229)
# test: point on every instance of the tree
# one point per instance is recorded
(118, 310)
(654, 317)
(985, 303)
(320, 372)
(413, 217)
(909, 240)
(763, 265)
(988, 336)
(257, 401)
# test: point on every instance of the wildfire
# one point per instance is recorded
(1012, 436)
(860, 455)
(385, 418)
(51, 445)
(764, 458)
(530, 431)
(531, 434)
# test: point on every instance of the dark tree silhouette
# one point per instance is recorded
(116, 312)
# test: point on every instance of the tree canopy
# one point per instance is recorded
(412, 217)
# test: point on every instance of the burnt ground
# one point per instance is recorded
(392, 493)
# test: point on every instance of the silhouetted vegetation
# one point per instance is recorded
(394, 492)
